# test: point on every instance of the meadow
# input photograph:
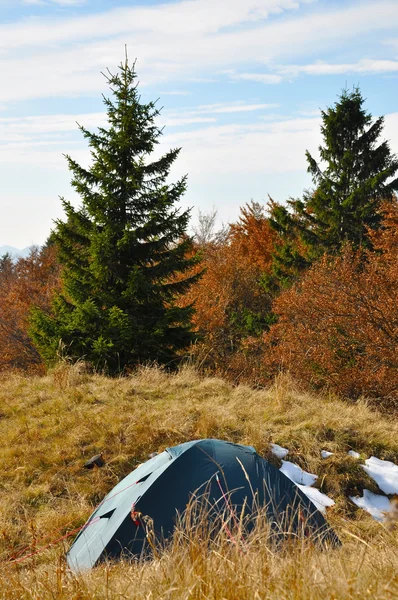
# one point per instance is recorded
(51, 425)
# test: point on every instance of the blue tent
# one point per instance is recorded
(231, 475)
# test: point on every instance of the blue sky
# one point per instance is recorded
(242, 83)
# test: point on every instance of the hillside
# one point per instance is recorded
(50, 426)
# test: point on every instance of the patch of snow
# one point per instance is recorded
(354, 454)
(304, 481)
(375, 504)
(326, 453)
(279, 451)
(296, 474)
(320, 500)
(384, 472)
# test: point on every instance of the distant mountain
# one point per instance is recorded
(15, 252)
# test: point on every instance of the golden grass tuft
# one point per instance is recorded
(49, 426)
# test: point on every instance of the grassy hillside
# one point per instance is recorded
(50, 426)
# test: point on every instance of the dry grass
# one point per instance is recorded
(49, 426)
(189, 569)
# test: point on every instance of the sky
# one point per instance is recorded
(242, 84)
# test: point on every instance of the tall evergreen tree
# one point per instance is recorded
(357, 172)
(125, 250)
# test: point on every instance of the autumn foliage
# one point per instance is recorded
(338, 326)
(25, 283)
(230, 304)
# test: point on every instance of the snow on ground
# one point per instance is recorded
(384, 472)
(374, 504)
(326, 453)
(296, 474)
(353, 454)
(304, 481)
(279, 451)
(320, 500)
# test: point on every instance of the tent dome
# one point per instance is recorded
(161, 488)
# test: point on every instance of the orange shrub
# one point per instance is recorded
(252, 237)
(27, 282)
(338, 326)
(230, 304)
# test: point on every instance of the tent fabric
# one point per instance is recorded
(162, 487)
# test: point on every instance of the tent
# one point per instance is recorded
(232, 476)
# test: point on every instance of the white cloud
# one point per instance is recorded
(268, 78)
(262, 146)
(43, 127)
(175, 93)
(177, 41)
(27, 139)
(186, 19)
(40, 125)
(59, 2)
(233, 107)
(68, 2)
(206, 150)
(365, 66)
(390, 130)
(391, 42)
(186, 116)
(180, 121)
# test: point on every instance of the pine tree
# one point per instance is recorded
(357, 172)
(125, 251)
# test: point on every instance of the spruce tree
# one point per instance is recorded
(356, 172)
(125, 254)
